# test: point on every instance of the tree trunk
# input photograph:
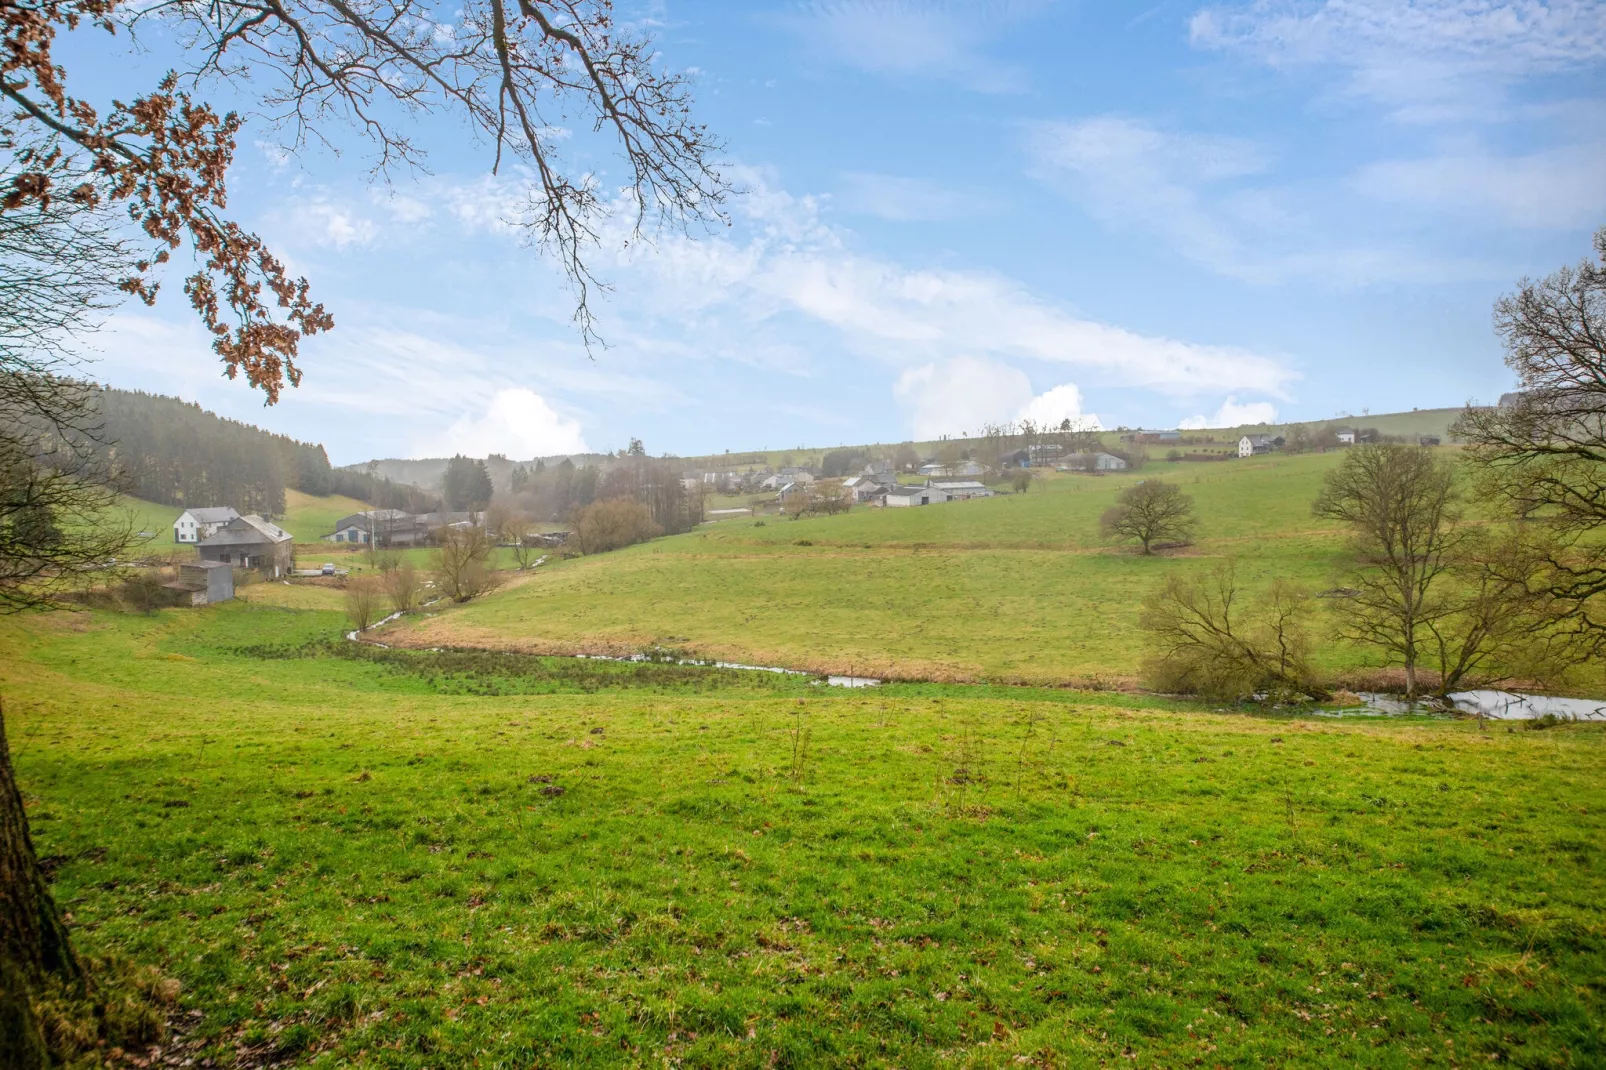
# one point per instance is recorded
(33, 940)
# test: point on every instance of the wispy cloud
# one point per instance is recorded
(902, 199)
(1210, 198)
(793, 263)
(1425, 58)
(1553, 188)
(916, 39)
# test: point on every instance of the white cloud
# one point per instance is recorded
(1053, 407)
(961, 395)
(517, 422)
(1561, 188)
(915, 38)
(902, 200)
(1431, 57)
(1233, 414)
(734, 293)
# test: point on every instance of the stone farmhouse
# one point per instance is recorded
(251, 542)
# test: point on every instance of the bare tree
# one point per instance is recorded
(1501, 622)
(402, 587)
(362, 600)
(462, 564)
(521, 535)
(1150, 512)
(1210, 640)
(1400, 504)
(513, 70)
(1543, 450)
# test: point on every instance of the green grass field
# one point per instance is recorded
(395, 859)
(1017, 588)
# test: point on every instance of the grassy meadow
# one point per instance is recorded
(1017, 588)
(359, 857)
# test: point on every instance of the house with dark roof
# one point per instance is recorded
(381, 527)
(251, 542)
(1250, 445)
(193, 525)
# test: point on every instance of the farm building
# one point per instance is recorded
(866, 488)
(1250, 445)
(202, 582)
(960, 490)
(193, 525)
(379, 527)
(1345, 435)
(900, 496)
(251, 542)
(1093, 462)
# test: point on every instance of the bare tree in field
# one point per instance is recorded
(463, 563)
(1543, 453)
(362, 600)
(1150, 512)
(1401, 506)
(402, 587)
(513, 71)
(1212, 639)
(1500, 622)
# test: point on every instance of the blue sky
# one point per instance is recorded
(955, 213)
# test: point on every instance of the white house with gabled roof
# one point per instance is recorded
(193, 525)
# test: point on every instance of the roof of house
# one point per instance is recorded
(957, 484)
(204, 564)
(249, 530)
(1260, 440)
(906, 491)
(212, 514)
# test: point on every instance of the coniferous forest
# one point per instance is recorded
(175, 452)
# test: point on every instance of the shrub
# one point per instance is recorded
(612, 524)
(362, 601)
(1209, 643)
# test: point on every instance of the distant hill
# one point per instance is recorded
(174, 453)
(426, 472)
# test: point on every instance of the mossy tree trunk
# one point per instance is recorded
(33, 940)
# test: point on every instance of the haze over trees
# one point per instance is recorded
(466, 484)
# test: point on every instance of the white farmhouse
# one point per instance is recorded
(1250, 445)
(193, 525)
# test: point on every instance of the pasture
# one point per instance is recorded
(356, 857)
(1017, 588)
